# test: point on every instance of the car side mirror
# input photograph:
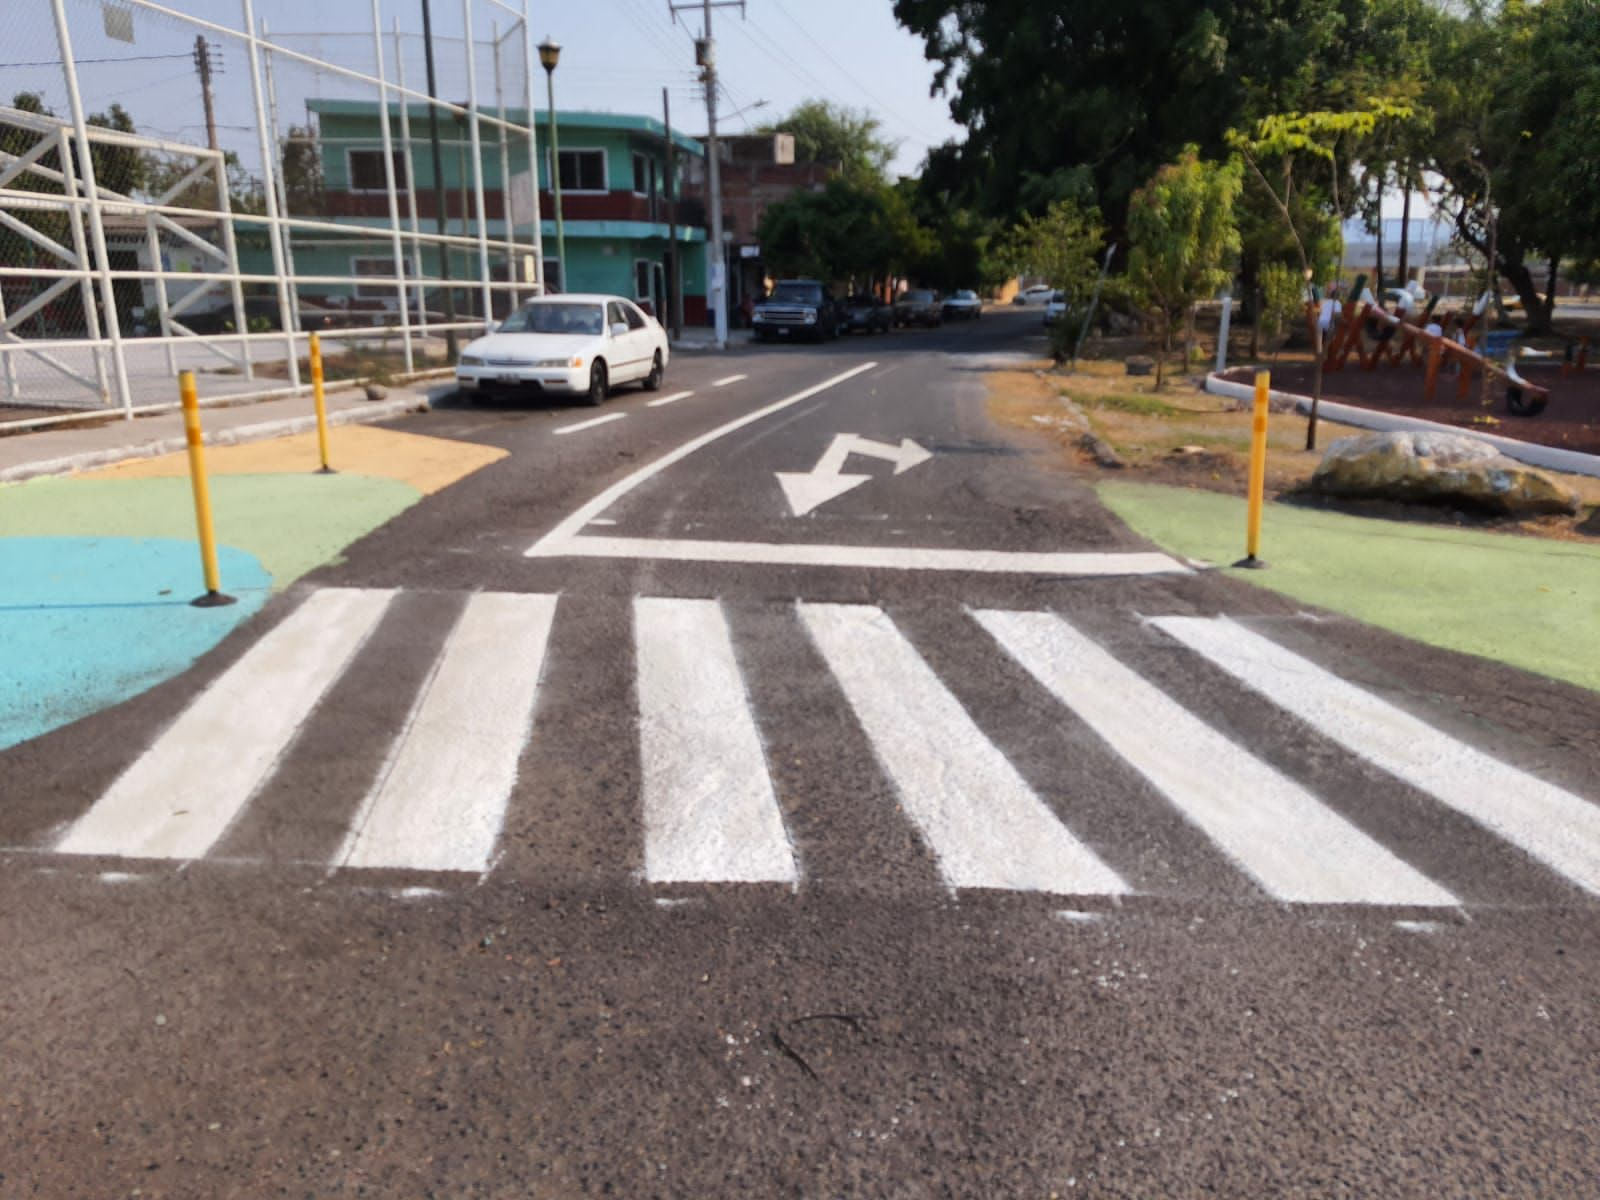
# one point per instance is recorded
(492, 327)
(619, 329)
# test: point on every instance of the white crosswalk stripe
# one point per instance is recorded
(1287, 840)
(985, 825)
(440, 803)
(710, 814)
(181, 795)
(1553, 825)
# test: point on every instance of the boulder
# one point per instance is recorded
(1438, 468)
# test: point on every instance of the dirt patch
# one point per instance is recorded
(1570, 422)
(1189, 438)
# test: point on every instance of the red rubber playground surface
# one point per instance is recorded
(1571, 421)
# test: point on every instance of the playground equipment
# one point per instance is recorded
(1376, 336)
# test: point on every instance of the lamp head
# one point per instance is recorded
(549, 54)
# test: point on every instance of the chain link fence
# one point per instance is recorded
(199, 185)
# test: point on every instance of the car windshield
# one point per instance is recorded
(562, 316)
(919, 297)
(965, 295)
(797, 293)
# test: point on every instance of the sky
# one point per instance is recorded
(617, 56)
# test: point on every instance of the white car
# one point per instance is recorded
(1056, 308)
(571, 345)
(1039, 293)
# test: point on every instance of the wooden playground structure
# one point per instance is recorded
(1460, 343)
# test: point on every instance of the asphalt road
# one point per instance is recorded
(601, 827)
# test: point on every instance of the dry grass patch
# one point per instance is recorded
(1190, 438)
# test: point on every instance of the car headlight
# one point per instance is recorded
(471, 360)
(811, 318)
(576, 361)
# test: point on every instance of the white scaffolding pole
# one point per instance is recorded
(276, 235)
(91, 192)
(411, 185)
(533, 149)
(283, 184)
(394, 202)
(91, 317)
(505, 171)
(477, 168)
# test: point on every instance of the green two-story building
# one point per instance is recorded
(613, 170)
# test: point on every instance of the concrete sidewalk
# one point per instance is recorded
(61, 450)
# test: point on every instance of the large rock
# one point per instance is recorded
(1438, 468)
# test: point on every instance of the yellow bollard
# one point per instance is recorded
(202, 494)
(321, 401)
(1258, 471)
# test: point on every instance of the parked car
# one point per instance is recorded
(1056, 308)
(579, 345)
(918, 307)
(963, 305)
(798, 308)
(867, 313)
(1039, 293)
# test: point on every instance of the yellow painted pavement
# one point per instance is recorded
(426, 463)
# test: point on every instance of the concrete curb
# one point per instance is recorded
(266, 430)
(1551, 458)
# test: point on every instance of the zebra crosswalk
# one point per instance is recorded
(708, 810)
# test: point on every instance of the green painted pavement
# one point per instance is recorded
(290, 523)
(1528, 602)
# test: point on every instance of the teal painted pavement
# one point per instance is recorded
(88, 622)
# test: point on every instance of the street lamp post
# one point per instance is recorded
(549, 56)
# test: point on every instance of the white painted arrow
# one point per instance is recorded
(825, 481)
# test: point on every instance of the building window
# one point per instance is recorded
(642, 268)
(645, 178)
(552, 276)
(378, 268)
(366, 171)
(583, 171)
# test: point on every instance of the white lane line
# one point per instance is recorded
(906, 558)
(552, 544)
(589, 424)
(182, 793)
(1556, 827)
(440, 800)
(729, 379)
(1297, 848)
(672, 399)
(710, 814)
(982, 821)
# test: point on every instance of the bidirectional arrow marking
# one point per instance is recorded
(825, 481)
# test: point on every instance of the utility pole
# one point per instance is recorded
(439, 197)
(674, 274)
(203, 65)
(705, 54)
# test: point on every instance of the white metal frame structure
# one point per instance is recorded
(107, 367)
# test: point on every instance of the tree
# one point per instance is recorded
(1184, 238)
(1059, 247)
(831, 133)
(861, 232)
(1283, 141)
(1086, 99)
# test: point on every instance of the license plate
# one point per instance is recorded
(508, 379)
(783, 331)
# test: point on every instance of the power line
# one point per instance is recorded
(56, 62)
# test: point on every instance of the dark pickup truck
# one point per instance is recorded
(798, 308)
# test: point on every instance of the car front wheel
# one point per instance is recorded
(599, 387)
(652, 381)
